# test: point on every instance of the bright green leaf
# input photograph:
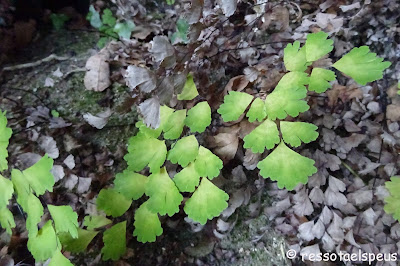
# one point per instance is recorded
(147, 224)
(34, 209)
(5, 135)
(174, 126)
(114, 242)
(58, 259)
(257, 111)
(77, 245)
(199, 117)
(184, 151)
(235, 103)
(362, 65)
(6, 191)
(287, 167)
(164, 195)
(143, 151)
(294, 57)
(44, 245)
(95, 221)
(108, 18)
(207, 202)
(317, 45)
(189, 91)
(65, 219)
(130, 184)
(124, 30)
(112, 202)
(280, 104)
(319, 80)
(264, 136)
(39, 176)
(187, 179)
(293, 133)
(207, 164)
(7, 220)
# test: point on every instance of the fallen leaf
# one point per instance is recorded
(150, 110)
(97, 77)
(49, 145)
(99, 120)
(140, 77)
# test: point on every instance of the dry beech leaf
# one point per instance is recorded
(228, 7)
(99, 120)
(162, 50)
(49, 145)
(97, 77)
(250, 159)
(150, 110)
(237, 83)
(226, 143)
(140, 77)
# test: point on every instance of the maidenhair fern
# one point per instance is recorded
(27, 186)
(147, 176)
(283, 164)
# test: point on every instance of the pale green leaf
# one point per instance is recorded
(5, 135)
(189, 91)
(198, 117)
(174, 126)
(362, 65)
(130, 184)
(294, 57)
(112, 202)
(95, 221)
(207, 164)
(292, 81)
(184, 151)
(264, 136)
(77, 245)
(187, 179)
(280, 104)
(94, 18)
(44, 244)
(257, 111)
(317, 45)
(293, 133)
(319, 80)
(143, 151)
(392, 202)
(164, 195)
(7, 220)
(150, 132)
(114, 242)
(207, 202)
(124, 29)
(34, 209)
(39, 176)
(6, 191)
(65, 219)
(21, 187)
(235, 103)
(58, 259)
(147, 224)
(287, 167)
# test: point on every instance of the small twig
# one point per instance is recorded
(80, 69)
(351, 170)
(36, 63)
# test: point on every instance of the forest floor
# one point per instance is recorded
(341, 207)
